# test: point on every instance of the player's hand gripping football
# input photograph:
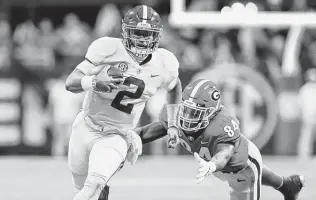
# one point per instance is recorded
(205, 168)
(173, 137)
(106, 79)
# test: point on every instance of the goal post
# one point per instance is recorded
(180, 17)
(288, 127)
(296, 22)
(262, 19)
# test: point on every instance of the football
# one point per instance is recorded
(114, 72)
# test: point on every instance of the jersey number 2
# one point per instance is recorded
(116, 103)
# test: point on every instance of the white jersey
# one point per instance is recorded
(122, 108)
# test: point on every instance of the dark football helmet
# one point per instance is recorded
(200, 102)
(142, 29)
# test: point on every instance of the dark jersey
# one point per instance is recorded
(223, 129)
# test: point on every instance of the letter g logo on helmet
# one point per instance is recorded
(215, 95)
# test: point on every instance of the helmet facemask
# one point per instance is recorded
(141, 40)
(193, 117)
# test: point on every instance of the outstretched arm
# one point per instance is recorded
(151, 132)
(175, 95)
(176, 92)
(220, 159)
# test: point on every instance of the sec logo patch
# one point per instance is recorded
(123, 67)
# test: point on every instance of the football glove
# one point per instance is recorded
(173, 137)
(205, 168)
(136, 146)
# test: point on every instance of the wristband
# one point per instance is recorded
(212, 167)
(172, 112)
(87, 83)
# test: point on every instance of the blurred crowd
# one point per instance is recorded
(41, 49)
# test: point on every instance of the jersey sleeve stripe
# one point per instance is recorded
(258, 181)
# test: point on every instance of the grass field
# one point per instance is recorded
(152, 178)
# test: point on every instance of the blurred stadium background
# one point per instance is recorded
(266, 74)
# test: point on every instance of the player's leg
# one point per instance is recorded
(106, 157)
(289, 186)
(246, 185)
(270, 178)
(255, 164)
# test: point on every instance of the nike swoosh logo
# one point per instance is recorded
(240, 180)
(154, 75)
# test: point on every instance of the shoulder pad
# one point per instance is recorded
(225, 128)
(216, 127)
(171, 65)
(223, 119)
(169, 59)
(100, 49)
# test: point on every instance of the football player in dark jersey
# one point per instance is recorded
(212, 134)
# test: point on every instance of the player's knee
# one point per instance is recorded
(115, 142)
(93, 186)
(106, 163)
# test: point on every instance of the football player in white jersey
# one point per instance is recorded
(119, 76)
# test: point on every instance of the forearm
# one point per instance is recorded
(73, 82)
(151, 132)
(221, 158)
(175, 95)
(81, 78)
(173, 104)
